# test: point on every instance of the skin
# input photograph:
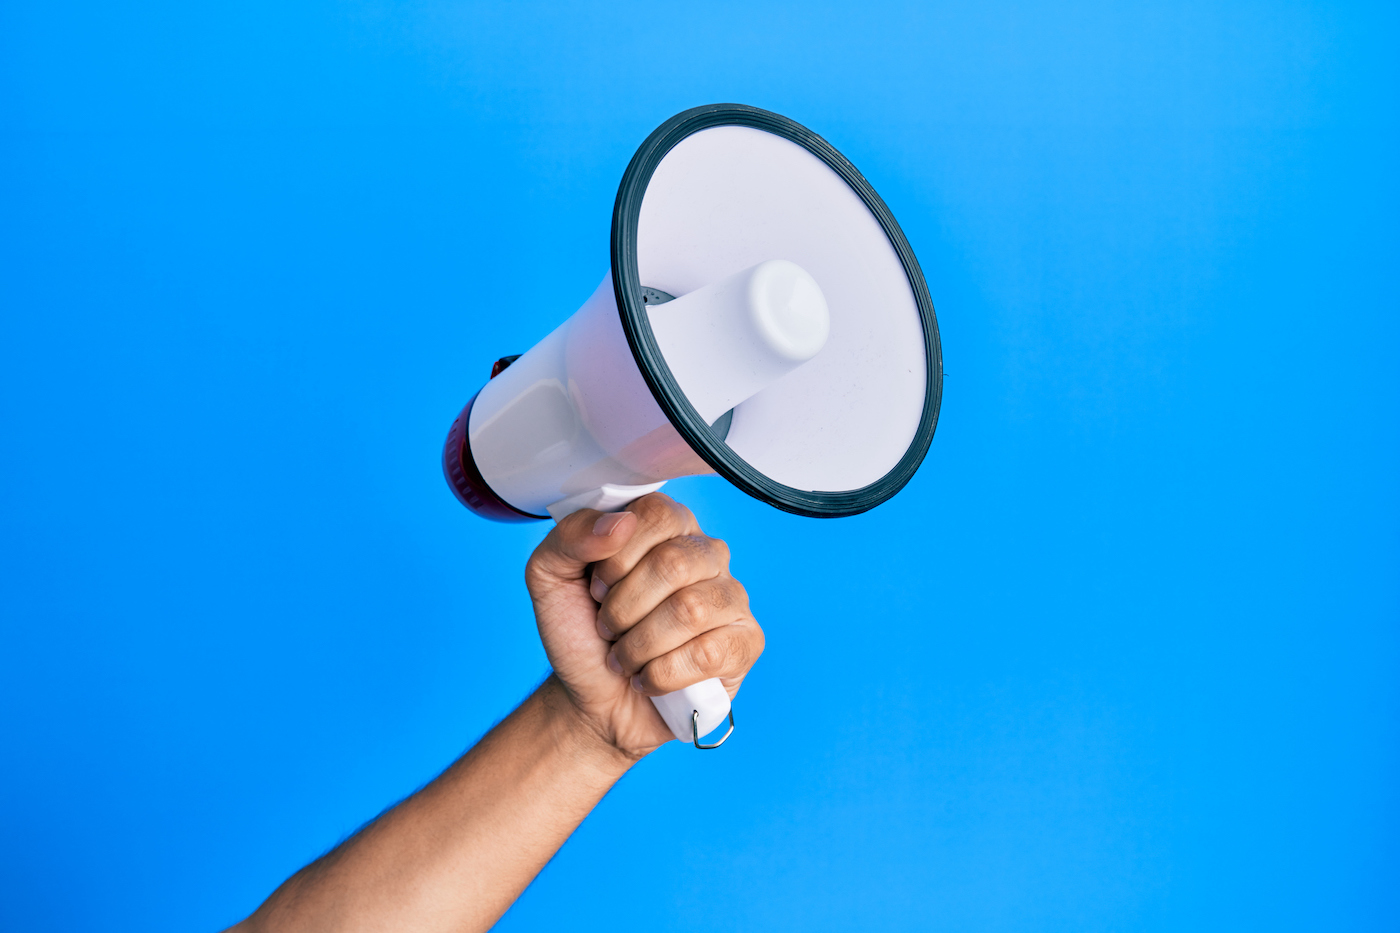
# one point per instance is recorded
(629, 605)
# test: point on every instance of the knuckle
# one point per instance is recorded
(736, 649)
(736, 592)
(641, 642)
(709, 655)
(691, 607)
(720, 597)
(653, 509)
(663, 511)
(660, 674)
(720, 549)
(673, 561)
(674, 509)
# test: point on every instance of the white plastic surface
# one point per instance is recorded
(708, 696)
(729, 197)
(572, 416)
(728, 341)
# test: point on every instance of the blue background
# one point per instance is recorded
(1122, 657)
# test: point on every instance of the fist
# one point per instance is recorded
(634, 604)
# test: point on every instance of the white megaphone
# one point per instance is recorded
(764, 318)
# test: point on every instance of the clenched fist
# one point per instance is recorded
(635, 604)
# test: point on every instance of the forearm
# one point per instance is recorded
(455, 855)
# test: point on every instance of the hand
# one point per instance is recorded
(670, 615)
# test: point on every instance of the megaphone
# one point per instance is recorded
(763, 318)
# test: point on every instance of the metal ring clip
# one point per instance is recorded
(695, 729)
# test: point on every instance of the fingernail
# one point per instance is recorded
(607, 523)
(613, 664)
(598, 588)
(604, 631)
(637, 682)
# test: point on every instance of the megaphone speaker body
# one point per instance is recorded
(763, 318)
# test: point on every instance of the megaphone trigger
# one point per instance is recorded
(606, 498)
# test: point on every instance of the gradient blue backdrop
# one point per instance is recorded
(1122, 657)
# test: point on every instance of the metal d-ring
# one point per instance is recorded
(695, 729)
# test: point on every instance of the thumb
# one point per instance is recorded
(583, 538)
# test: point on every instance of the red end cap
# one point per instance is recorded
(466, 481)
(500, 365)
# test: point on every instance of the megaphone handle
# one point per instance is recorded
(690, 712)
(695, 711)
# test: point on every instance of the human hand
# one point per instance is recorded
(670, 615)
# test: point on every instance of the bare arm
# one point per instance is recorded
(455, 855)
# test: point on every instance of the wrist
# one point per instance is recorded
(581, 737)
